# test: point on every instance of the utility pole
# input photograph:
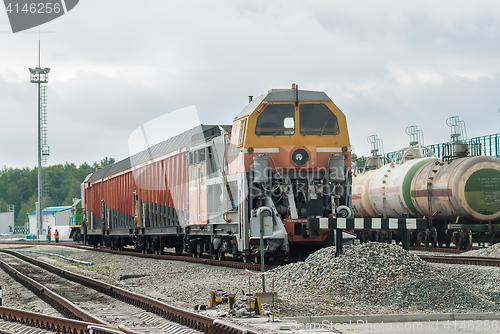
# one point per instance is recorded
(40, 76)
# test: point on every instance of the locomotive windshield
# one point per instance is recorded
(317, 119)
(276, 120)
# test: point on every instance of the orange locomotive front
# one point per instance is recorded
(292, 148)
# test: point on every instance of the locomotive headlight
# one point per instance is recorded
(300, 157)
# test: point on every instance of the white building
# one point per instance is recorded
(6, 222)
(57, 217)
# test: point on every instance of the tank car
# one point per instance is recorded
(456, 190)
(465, 190)
(286, 158)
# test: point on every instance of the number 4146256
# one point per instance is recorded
(45, 8)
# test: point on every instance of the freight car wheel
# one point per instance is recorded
(199, 250)
(178, 250)
(221, 255)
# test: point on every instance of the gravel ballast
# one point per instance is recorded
(491, 251)
(370, 278)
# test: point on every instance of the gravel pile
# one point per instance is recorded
(492, 251)
(378, 274)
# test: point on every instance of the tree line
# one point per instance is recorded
(19, 187)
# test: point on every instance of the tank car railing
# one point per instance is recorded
(489, 145)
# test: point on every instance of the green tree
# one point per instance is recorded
(20, 186)
(25, 208)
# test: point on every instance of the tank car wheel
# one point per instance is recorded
(413, 238)
(494, 240)
(420, 239)
(465, 241)
(434, 234)
(469, 244)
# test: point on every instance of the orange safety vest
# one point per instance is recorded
(48, 232)
(56, 235)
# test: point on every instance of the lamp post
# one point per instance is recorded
(39, 76)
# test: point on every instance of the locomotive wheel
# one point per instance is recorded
(77, 236)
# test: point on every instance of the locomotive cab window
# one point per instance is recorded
(317, 119)
(276, 120)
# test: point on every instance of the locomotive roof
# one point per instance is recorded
(185, 139)
(283, 95)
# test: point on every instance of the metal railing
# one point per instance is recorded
(483, 145)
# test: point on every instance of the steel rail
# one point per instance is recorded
(202, 260)
(190, 319)
(470, 260)
(51, 323)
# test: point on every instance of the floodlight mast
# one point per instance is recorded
(39, 76)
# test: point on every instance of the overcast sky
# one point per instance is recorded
(118, 64)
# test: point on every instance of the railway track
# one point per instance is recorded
(256, 267)
(471, 260)
(141, 309)
(438, 250)
(20, 321)
(163, 256)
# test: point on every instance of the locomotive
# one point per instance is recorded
(459, 189)
(285, 162)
